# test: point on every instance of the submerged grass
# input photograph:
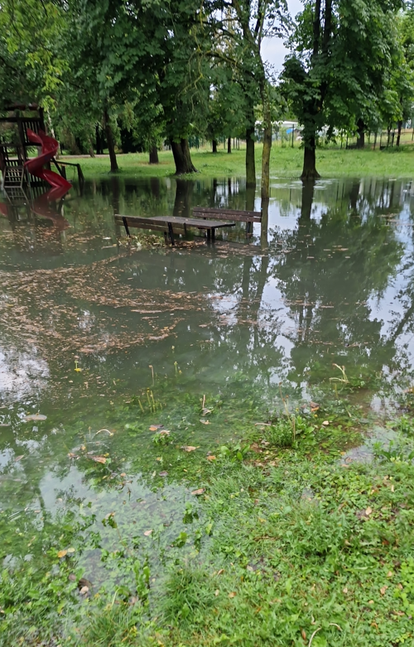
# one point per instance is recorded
(285, 162)
(275, 539)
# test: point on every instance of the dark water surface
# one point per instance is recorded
(155, 330)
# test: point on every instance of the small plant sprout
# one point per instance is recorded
(77, 369)
(204, 409)
(343, 379)
(152, 374)
(176, 368)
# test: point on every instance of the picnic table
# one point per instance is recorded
(172, 223)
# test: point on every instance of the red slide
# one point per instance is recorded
(49, 149)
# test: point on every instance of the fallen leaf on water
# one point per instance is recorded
(62, 553)
(35, 417)
(99, 459)
(188, 448)
(198, 492)
(147, 533)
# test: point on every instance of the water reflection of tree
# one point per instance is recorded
(330, 269)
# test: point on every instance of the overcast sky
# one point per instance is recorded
(273, 49)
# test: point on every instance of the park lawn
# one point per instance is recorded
(285, 162)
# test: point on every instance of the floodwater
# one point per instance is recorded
(104, 338)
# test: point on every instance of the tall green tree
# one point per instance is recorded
(238, 28)
(343, 52)
(31, 65)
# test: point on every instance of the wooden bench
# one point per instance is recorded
(229, 214)
(170, 224)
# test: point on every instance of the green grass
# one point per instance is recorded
(286, 539)
(285, 162)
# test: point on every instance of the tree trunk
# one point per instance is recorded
(267, 146)
(214, 145)
(250, 197)
(353, 198)
(115, 193)
(182, 157)
(110, 142)
(153, 155)
(250, 162)
(265, 224)
(309, 160)
(399, 133)
(155, 187)
(308, 188)
(183, 193)
(361, 134)
(229, 145)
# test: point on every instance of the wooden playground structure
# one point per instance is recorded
(17, 149)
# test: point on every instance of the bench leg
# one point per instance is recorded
(171, 232)
(208, 234)
(124, 220)
(213, 234)
(249, 228)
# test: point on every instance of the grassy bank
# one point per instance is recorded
(285, 162)
(278, 539)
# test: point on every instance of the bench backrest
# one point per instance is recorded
(227, 214)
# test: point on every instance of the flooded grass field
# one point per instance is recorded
(160, 406)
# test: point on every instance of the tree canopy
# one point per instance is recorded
(165, 72)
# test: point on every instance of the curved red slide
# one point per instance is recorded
(49, 149)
